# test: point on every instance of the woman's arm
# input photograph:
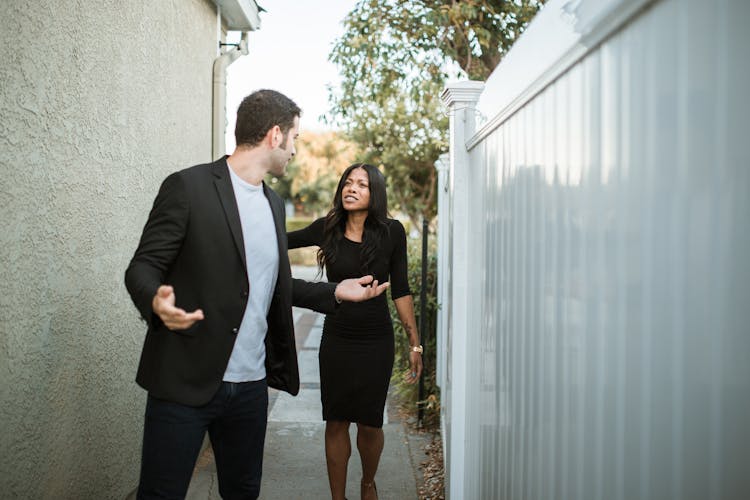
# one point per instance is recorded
(405, 309)
(306, 237)
(403, 300)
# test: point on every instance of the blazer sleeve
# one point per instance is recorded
(310, 236)
(160, 243)
(317, 296)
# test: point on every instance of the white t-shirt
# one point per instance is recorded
(248, 358)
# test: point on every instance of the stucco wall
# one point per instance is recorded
(99, 101)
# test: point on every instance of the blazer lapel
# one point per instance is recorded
(224, 188)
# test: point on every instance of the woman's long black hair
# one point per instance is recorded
(376, 224)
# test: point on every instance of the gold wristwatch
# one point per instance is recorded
(417, 348)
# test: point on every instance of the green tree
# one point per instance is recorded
(395, 58)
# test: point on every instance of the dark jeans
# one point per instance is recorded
(173, 433)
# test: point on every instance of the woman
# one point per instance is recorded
(356, 352)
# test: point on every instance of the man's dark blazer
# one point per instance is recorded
(193, 241)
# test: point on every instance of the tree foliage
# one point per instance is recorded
(395, 58)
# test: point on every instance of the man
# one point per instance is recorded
(212, 279)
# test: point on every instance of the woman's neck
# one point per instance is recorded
(355, 225)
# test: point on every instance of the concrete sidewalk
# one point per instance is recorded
(294, 462)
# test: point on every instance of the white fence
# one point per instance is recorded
(594, 246)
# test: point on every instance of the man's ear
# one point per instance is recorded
(274, 137)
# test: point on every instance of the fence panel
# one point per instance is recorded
(613, 280)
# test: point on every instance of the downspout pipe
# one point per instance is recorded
(219, 120)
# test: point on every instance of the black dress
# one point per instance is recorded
(356, 352)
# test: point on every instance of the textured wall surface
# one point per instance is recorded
(99, 101)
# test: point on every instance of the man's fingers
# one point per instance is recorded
(183, 320)
(173, 317)
(365, 280)
(376, 289)
(168, 308)
(177, 314)
(359, 289)
(171, 313)
(163, 301)
(196, 315)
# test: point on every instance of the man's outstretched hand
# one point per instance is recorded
(173, 317)
(359, 289)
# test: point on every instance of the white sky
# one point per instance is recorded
(289, 53)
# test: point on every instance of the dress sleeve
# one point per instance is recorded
(310, 236)
(399, 266)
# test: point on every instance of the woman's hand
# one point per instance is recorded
(415, 368)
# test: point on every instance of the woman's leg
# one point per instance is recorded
(370, 441)
(338, 450)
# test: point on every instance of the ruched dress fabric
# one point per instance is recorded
(356, 351)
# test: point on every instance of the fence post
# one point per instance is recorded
(461, 99)
(443, 220)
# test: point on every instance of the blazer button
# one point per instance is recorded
(244, 294)
(235, 330)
